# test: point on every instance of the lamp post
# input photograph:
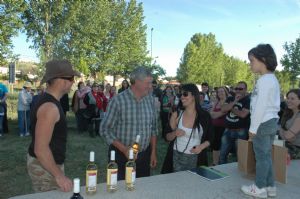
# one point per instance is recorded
(151, 43)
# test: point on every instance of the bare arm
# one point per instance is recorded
(227, 107)
(173, 120)
(218, 114)
(292, 132)
(43, 134)
(241, 113)
(199, 148)
(153, 159)
(119, 145)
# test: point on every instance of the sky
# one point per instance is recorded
(238, 25)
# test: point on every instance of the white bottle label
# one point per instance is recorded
(91, 180)
(133, 176)
(112, 176)
(130, 175)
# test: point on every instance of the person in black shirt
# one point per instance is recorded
(157, 92)
(237, 120)
(46, 153)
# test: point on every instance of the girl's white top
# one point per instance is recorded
(265, 101)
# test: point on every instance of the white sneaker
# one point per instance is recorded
(271, 191)
(27, 134)
(21, 135)
(253, 190)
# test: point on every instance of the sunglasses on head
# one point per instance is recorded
(185, 93)
(71, 79)
(238, 89)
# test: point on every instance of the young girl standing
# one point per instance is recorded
(265, 105)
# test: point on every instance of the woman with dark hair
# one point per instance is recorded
(218, 122)
(290, 124)
(125, 85)
(265, 105)
(190, 130)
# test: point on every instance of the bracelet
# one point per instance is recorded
(292, 132)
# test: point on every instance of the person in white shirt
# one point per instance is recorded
(191, 130)
(264, 108)
(24, 101)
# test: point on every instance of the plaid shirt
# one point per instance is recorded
(126, 118)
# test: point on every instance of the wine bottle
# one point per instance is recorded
(130, 172)
(76, 189)
(91, 175)
(112, 174)
(136, 145)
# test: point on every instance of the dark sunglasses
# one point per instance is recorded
(185, 93)
(239, 89)
(71, 79)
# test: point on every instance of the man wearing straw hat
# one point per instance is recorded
(46, 153)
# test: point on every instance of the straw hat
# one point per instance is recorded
(27, 85)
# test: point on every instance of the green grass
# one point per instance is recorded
(14, 179)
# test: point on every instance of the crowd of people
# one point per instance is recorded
(193, 122)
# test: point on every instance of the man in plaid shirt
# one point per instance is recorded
(129, 114)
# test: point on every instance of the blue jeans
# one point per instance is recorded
(1, 124)
(23, 122)
(262, 146)
(229, 142)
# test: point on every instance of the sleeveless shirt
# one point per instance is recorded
(58, 140)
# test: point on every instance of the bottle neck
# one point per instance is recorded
(76, 188)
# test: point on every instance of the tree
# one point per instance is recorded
(10, 24)
(96, 36)
(284, 79)
(109, 35)
(201, 60)
(157, 70)
(291, 60)
(236, 70)
(45, 22)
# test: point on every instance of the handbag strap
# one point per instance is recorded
(179, 118)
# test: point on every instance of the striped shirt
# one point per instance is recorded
(126, 118)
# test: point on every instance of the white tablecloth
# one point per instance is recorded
(183, 185)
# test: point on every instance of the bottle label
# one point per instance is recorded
(130, 175)
(91, 180)
(112, 176)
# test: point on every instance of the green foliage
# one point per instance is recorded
(284, 78)
(10, 24)
(236, 70)
(44, 22)
(203, 60)
(291, 60)
(100, 35)
(26, 68)
(202, 56)
(156, 70)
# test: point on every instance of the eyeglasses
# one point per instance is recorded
(185, 93)
(238, 89)
(71, 79)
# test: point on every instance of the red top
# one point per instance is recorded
(220, 121)
(101, 100)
